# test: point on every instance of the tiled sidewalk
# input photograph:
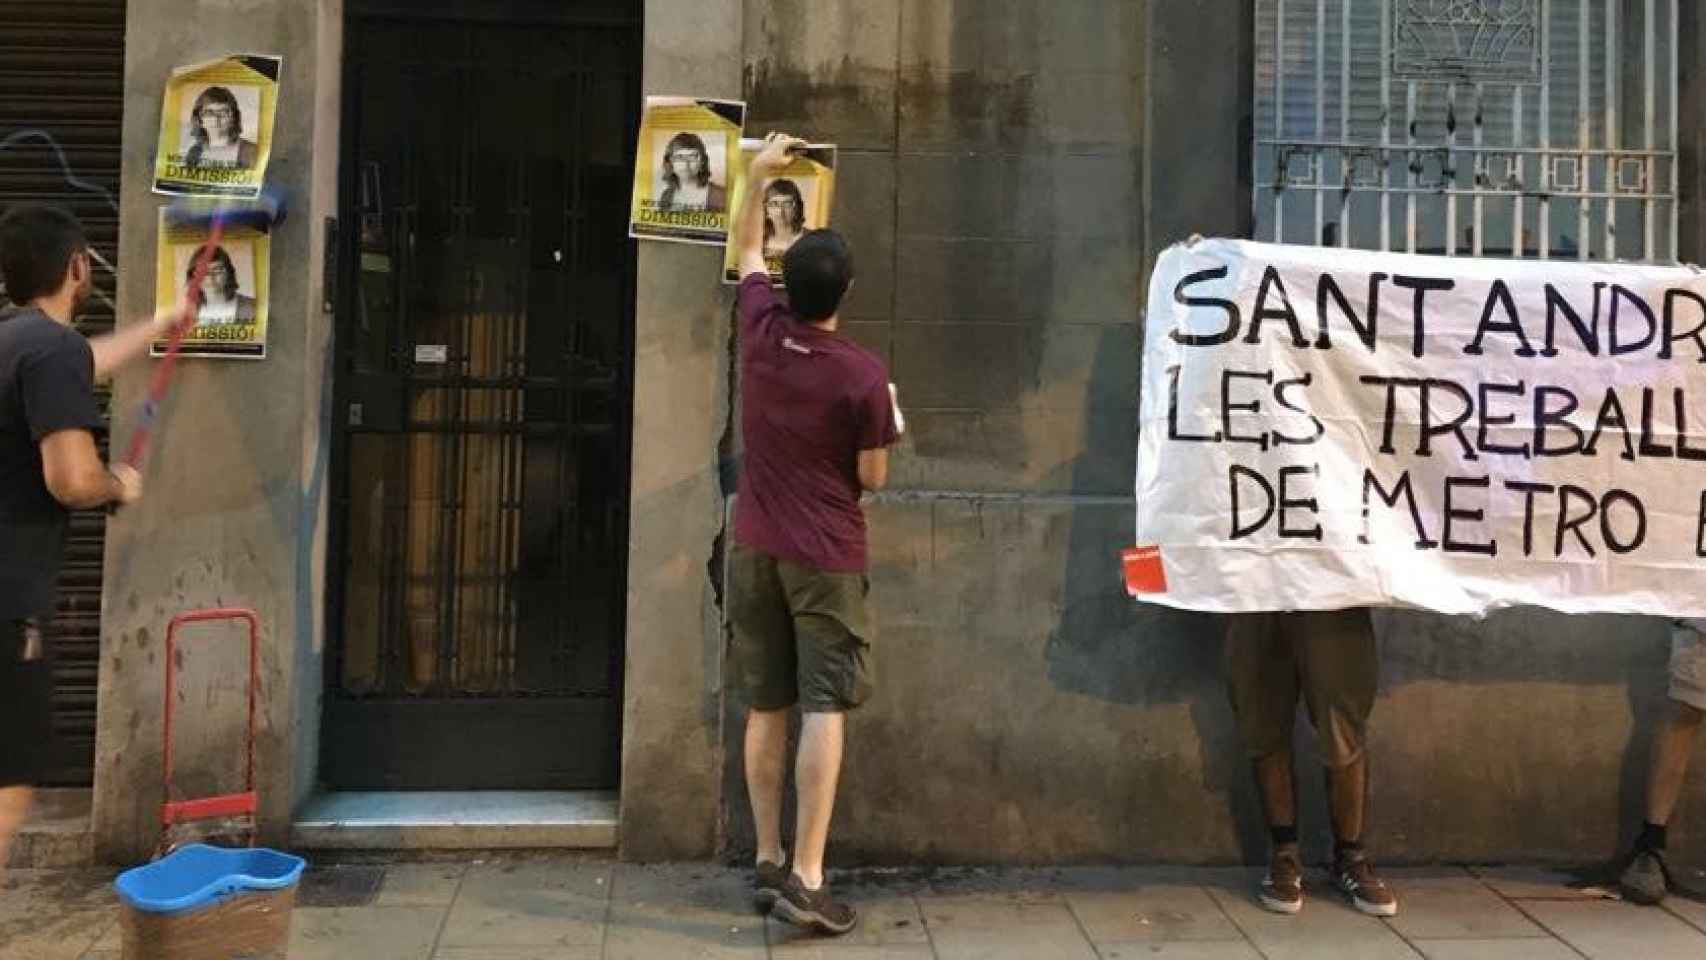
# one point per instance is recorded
(562, 908)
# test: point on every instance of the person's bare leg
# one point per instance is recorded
(1644, 878)
(1282, 889)
(1671, 750)
(14, 806)
(1274, 780)
(1353, 872)
(1347, 798)
(816, 774)
(766, 762)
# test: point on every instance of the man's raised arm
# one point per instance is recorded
(749, 222)
(130, 341)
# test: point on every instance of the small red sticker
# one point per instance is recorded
(1143, 571)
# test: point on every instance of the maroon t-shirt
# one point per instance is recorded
(810, 401)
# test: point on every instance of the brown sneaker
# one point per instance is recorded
(1282, 888)
(767, 882)
(1354, 874)
(813, 908)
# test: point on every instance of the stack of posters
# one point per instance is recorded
(216, 138)
(690, 177)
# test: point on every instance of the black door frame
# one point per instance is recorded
(465, 725)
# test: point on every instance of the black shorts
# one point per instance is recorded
(26, 703)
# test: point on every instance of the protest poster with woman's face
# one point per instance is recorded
(226, 294)
(694, 172)
(788, 212)
(796, 201)
(216, 126)
(682, 167)
(214, 131)
(229, 296)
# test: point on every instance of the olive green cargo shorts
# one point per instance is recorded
(800, 634)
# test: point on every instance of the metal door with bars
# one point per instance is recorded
(1525, 128)
(484, 388)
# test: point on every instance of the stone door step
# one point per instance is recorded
(473, 820)
(57, 832)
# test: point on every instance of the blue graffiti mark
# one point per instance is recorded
(308, 522)
(71, 177)
(308, 516)
(73, 180)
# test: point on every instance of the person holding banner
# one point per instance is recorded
(817, 418)
(1646, 879)
(1327, 659)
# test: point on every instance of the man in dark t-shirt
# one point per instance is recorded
(817, 417)
(49, 466)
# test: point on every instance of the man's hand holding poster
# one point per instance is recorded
(1324, 428)
(799, 199)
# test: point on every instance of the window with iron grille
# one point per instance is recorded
(1502, 128)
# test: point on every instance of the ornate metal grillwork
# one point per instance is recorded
(1489, 40)
(1523, 128)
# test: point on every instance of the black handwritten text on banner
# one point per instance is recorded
(1325, 428)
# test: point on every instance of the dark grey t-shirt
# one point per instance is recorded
(47, 384)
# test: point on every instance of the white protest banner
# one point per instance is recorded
(1324, 428)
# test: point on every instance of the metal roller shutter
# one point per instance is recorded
(62, 73)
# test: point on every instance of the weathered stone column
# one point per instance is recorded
(234, 511)
(671, 755)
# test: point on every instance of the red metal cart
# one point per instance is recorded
(228, 806)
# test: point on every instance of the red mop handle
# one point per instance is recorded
(163, 371)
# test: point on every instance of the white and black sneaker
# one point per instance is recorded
(1354, 874)
(1282, 888)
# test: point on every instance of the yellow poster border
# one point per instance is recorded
(173, 234)
(823, 200)
(171, 176)
(670, 115)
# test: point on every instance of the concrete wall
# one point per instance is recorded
(1691, 105)
(671, 748)
(234, 511)
(1011, 169)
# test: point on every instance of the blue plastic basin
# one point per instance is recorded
(198, 875)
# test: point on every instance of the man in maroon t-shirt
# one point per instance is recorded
(817, 416)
